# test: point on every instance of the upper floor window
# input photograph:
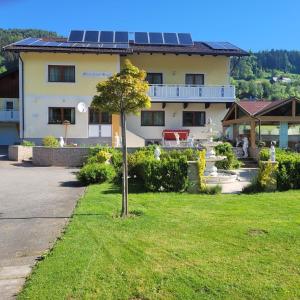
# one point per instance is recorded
(57, 115)
(194, 79)
(193, 118)
(153, 118)
(99, 117)
(9, 105)
(58, 73)
(154, 78)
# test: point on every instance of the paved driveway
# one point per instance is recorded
(35, 204)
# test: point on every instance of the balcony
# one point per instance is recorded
(191, 93)
(9, 116)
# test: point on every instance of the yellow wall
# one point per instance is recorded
(174, 67)
(36, 72)
(39, 94)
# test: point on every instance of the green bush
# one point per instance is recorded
(225, 149)
(189, 153)
(50, 141)
(101, 157)
(288, 171)
(27, 143)
(169, 174)
(96, 173)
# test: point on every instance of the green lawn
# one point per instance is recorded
(178, 246)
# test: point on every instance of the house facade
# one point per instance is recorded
(189, 83)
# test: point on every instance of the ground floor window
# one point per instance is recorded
(99, 117)
(153, 118)
(57, 115)
(193, 118)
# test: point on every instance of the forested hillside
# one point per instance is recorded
(8, 36)
(253, 75)
(271, 74)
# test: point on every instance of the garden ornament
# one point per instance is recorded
(61, 142)
(117, 140)
(245, 146)
(272, 152)
(157, 153)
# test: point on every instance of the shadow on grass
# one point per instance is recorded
(133, 188)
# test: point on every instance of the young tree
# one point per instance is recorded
(124, 92)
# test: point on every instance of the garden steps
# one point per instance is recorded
(249, 162)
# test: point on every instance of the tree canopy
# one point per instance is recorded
(126, 90)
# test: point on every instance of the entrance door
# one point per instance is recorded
(99, 124)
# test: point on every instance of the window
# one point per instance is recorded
(154, 78)
(153, 118)
(194, 79)
(9, 105)
(99, 117)
(193, 118)
(61, 73)
(57, 115)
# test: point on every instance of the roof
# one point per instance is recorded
(199, 48)
(258, 107)
(253, 107)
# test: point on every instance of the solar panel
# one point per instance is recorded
(122, 46)
(53, 44)
(26, 42)
(66, 44)
(76, 36)
(91, 36)
(141, 38)
(221, 46)
(121, 37)
(170, 38)
(229, 46)
(107, 37)
(156, 38)
(39, 43)
(185, 39)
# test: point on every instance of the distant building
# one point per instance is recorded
(280, 79)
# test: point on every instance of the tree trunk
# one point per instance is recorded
(124, 212)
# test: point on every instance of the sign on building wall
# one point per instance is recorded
(96, 74)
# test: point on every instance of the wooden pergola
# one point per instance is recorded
(262, 112)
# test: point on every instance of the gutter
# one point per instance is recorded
(22, 88)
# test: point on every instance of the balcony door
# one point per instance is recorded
(194, 79)
(154, 78)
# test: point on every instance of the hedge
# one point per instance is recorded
(288, 171)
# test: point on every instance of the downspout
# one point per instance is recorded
(22, 100)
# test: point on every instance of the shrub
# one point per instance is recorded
(288, 171)
(95, 173)
(189, 153)
(231, 162)
(168, 174)
(101, 157)
(267, 176)
(212, 190)
(50, 141)
(201, 169)
(27, 143)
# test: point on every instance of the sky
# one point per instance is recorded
(252, 25)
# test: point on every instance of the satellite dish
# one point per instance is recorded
(82, 107)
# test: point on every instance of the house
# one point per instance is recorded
(9, 107)
(189, 83)
(265, 120)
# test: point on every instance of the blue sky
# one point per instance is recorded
(254, 24)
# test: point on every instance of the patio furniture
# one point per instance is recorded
(175, 137)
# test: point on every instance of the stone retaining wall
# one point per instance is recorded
(19, 153)
(64, 157)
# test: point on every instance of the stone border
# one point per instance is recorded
(61, 157)
(19, 153)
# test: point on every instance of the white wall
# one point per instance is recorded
(36, 111)
(173, 120)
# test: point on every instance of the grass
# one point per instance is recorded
(175, 246)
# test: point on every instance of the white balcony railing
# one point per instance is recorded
(172, 92)
(9, 116)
